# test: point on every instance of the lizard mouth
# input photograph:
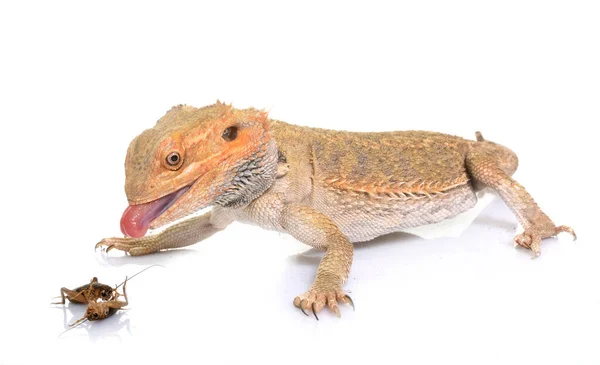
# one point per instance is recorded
(137, 218)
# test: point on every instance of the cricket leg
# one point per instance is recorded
(115, 305)
(183, 234)
(487, 165)
(64, 293)
(120, 304)
(317, 230)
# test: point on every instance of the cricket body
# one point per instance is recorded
(98, 310)
(326, 188)
(93, 291)
(87, 293)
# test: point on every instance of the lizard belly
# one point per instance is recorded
(362, 218)
(359, 216)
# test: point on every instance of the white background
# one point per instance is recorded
(79, 80)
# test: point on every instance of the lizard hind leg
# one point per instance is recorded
(491, 165)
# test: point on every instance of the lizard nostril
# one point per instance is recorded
(230, 134)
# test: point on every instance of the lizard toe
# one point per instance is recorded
(532, 237)
(101, 244)
(523, 240)
(109, 244)
(316, 301)
(132, 246)
(530, 241)
(566, 229)
(346, 299)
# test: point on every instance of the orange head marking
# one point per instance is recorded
(193, 158)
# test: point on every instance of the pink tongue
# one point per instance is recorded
(137, 218)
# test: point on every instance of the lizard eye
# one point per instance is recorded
(95, 315)
(230, 134)
(106, 312)
(173, 159)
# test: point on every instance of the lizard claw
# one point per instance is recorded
(300, 305)
(131, 246)
(99, 245)
(317, 299)
(350, 301)
(568, 230)
(104, 244)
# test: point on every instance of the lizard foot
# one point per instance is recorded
(316, 299)
(533, 236)
(132, 246)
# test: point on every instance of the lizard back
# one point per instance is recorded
(376, 183)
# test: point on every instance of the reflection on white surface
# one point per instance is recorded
(233, 287)
(79, 80)
(110, 327)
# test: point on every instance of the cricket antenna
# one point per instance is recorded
(74, 325)
(136, 274)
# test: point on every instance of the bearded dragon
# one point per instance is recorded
(326, 188)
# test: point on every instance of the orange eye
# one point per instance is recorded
(173, 159)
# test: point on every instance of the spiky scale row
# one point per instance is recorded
(404, 190)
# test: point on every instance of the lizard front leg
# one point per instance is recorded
(319, 231)
(183, 234)
(487, 169)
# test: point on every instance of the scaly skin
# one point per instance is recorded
(326, 188)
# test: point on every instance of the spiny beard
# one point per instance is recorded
(250, 178)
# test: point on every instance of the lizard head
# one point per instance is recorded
(193, 158)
